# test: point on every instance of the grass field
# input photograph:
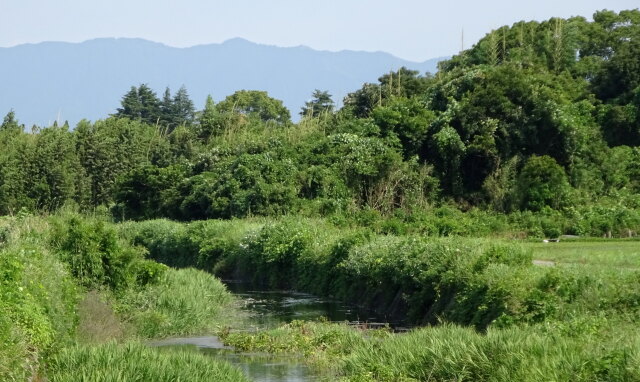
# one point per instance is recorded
(613, 253)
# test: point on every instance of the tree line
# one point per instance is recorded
(536, 116)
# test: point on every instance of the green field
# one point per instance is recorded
(614, 253)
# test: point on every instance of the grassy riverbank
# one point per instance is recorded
(78, 292)
(585, 349)
(497, 316)
(73, 295)
(478, 282)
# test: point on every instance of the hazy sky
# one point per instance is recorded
(411, 29)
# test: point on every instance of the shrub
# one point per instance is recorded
(95, 254)
(167, 242)
(542, 183)
(274, 252)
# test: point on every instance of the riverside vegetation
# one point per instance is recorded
(76, 298)
(407, 199)
(491, 314)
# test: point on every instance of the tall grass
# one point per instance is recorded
(198, 244)
(98, 322)
(451, 353)
(185, 301)
(608, 351)
(135, 362)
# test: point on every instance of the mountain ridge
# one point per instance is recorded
(70, 81)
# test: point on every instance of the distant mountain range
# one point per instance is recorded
(62, 81)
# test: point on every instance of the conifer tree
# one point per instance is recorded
(10, 122)
(140, 104)
(130, 105)
(166, 108)
(183, 111)
(208, 120)
(150, 111)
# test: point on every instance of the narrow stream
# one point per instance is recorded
(271, 308)
(268, 309)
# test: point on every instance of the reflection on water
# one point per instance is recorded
(266, 368)
(272, 308)
(258, 367)
(205, 342)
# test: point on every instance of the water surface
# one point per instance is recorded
(271, 308)
(268, 309)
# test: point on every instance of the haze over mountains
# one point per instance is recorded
(69, 81)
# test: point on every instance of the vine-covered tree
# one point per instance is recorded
(256, 104)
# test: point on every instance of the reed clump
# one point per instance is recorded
(133, 362)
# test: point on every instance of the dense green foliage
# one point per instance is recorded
(257, 105)
(539, 116)
(37, 299)
(48, 264)
(533, 132)
(565, 322)
(476, 282)
(97, 257)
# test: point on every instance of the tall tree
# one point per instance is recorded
(15, 157)
(208, 120)
(256, 104)
(150, 105)
(110, 148)
(320, 104)
(53, 168)
(166, 107)
(361, 103)
(10, 123)
(183, 111)
(142, 104)
(402, 83)
(130, 105)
